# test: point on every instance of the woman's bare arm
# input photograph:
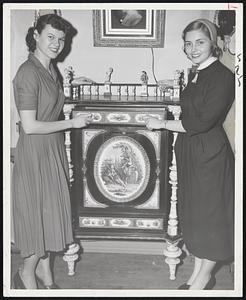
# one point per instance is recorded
(33, 126)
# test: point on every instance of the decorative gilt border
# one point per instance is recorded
(140, 41)
(126, 223)
(145, 158)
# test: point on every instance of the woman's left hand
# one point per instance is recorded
(153, 123)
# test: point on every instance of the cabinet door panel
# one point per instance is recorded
(120, 187)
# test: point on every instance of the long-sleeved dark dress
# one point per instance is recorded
(41, 200)
(205, 165)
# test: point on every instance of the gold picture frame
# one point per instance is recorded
(129, 28)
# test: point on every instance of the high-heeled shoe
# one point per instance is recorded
(184, 286)
(52, 286)
(18, 282)
(211, 283)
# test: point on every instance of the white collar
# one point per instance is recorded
(207, 62)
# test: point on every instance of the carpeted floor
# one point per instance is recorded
(125, 271)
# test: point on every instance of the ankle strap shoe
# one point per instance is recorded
(52, 286)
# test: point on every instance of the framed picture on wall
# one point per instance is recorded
(129, 28)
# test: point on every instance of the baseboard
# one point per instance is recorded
(131, 247)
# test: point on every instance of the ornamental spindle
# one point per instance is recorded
(172, 251)
(70, 256)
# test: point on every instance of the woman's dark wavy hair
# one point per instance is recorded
(196, 25)
(54, 20)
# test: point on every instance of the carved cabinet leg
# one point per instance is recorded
(67, 112)
(71, 255)
(172, 251)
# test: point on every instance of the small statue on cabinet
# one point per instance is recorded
(69, 75)
(68, 78)
(176, 77)
(108, 75)
(178, 84)
(144, 78)
(182, 80)
(107, 83)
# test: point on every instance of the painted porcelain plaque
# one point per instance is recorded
(121, 169)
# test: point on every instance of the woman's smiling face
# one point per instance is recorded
(50, 42)
(198, 46)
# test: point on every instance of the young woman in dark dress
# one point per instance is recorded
(41, 202)
(205, 161)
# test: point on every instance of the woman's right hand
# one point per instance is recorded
(153, 123)
(81, 120)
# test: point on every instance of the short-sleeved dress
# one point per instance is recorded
(205, 165)
(40, 182)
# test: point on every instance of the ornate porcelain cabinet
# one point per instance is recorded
(120, 171)
(123, 176)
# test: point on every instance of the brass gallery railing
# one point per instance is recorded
(122, 91)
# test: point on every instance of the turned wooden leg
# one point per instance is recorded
(67, 109)
(172, 251)
(70, 256)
